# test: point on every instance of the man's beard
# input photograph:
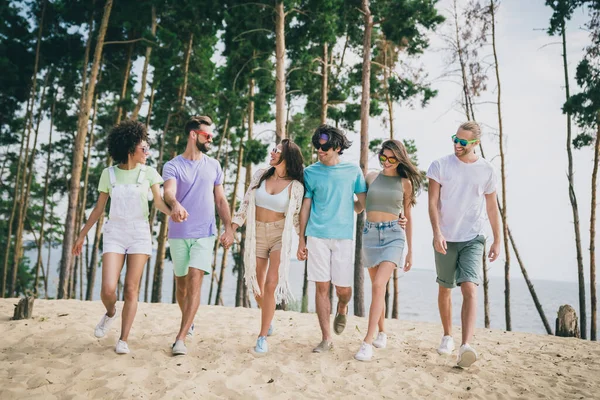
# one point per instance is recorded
(203, 147)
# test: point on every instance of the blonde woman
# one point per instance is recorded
(271, 209)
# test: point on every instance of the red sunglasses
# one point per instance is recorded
(208, 135)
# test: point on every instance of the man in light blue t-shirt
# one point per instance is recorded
(327, 226)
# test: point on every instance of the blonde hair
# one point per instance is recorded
(472, 127)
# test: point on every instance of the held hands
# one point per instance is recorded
(178, 213)
(78, 246)
(439, 243)
(302, 253)
(227, 238)
(494, 251)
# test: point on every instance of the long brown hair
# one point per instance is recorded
(294, 163)
(406, 169)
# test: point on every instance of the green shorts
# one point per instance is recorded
(461, 263)
(192, 253)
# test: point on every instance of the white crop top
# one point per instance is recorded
(275, 202)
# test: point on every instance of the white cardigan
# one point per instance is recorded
(247, 212)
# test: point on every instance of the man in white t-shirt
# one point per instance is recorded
(462, 189)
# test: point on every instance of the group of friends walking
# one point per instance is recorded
(317, 203)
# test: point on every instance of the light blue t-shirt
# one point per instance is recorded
(332, 190)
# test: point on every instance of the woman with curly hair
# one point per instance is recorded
(127, 232)
(271, 208)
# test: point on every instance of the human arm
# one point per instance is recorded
(225, 215)
(439, 242)
(159, 202)
(491, 205)
(360, 202)
(178, 212)
(93, 218)
(302, 253)
(360, 189)
(407, 214)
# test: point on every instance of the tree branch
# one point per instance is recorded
(130, 41)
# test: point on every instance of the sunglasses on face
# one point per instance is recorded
(208, 135)
(145, 149)
(275, 150)
(463, 142)
(323, 147)
(383, 158)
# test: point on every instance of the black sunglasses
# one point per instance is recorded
(324, 147)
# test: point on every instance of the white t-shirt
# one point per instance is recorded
(462, 205)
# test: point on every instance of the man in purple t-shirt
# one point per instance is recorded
(193, 186)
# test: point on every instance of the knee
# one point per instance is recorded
(379, 287)
(107, 292)
(131, 292)
(322, 289)
(270, 286)
(469, 291)
(344, 293)
(445, 293)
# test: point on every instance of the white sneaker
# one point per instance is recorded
(365, 353)
(190, 332)
(179, 348)
(121, 347)
(446, 346)
(466, 356)
(380, 341)
(104, 325)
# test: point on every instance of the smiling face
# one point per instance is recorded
(326, 154)
(140, 154)
(462, 148)
(275, 158)
(204, 137)
(388, 161)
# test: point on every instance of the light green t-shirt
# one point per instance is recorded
(124, 177)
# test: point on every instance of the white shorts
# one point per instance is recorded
(331, 260)
(127, 237)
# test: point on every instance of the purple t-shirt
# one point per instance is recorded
(196, 181)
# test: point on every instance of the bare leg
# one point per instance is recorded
(181, 293)
(192, 301)
(268, 300)
(445, 307)
(379, 277)
(344, 294)
(323, 308)
(261, 275)
(469, 310)
(112, 264)
(135, 269)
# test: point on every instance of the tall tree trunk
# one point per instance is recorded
(74, 185)
(219, 299)
(486, 295)
(150, 107)
(126, 72)
(153, 210)
(359, 300)
(503, 175)
(47, 274)
(46, 181)
(324, 82)
(572, 194)
(142, 94)
(279, 71)
(593, 300)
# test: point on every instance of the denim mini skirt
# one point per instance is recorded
(383, 241)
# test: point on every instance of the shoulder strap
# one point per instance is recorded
(111, 176)
(142, 174)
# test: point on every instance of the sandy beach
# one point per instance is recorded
(55, 355)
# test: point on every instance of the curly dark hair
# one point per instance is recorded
(336, 137)
(294, 163)
(124, 138)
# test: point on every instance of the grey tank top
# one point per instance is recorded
(386, 194)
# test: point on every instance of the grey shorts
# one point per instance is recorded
(462, 262)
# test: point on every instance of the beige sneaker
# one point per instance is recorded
(323, 347)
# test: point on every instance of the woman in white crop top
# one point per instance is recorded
(271, 208)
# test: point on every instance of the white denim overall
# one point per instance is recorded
(127, 230)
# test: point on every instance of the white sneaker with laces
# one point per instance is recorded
(466, 356)
(104, 325)
(190, 332)
(380, 341)
(365, 353)
(121, 347)
(446, 346)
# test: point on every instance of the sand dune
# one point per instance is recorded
(55, 355)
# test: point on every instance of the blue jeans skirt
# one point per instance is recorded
(383, 241)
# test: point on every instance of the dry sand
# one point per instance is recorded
(55, 355)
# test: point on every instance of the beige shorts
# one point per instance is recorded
(268, 237)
